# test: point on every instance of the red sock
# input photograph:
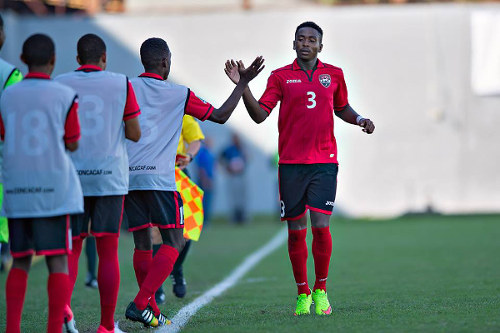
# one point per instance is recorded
(73, 272)
(108, 278)
(322, 251)
(161, 267)
(58, 289)
(15, 290)
(297, 251)
(141, 261)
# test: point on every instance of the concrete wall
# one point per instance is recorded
(406, 67)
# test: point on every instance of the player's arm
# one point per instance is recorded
(255, 111)
(72, 127)
(131, 114)
(350, 116)
(222, 114)
(192, 134)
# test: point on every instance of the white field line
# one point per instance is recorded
(184, 314)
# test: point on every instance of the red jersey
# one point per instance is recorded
(305, 123)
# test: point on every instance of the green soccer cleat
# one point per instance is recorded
(304, 302)
(145, 316)
(320, 298)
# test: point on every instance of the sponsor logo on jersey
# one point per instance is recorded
(325, 80)
(329, 203)
(293, 81)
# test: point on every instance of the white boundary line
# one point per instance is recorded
(184, 314)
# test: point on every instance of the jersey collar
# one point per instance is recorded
(89, 68)
(296, 66)
(152, 76)
(37, 75)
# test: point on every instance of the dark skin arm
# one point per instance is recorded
(71, 146)
(222, 114)
(349, 116)
(257, 113)
(133, 129)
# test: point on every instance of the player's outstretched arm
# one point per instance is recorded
(222, 114)
(252, 105)
(350, 116)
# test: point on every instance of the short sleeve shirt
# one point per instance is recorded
(190, 132)
(305, 123)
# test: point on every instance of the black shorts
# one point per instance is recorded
(307, 186)
(162, 209)
(49, 236)
(104, 213)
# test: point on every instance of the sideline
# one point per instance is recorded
(184, 314)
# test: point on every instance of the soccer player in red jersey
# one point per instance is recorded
(310, 91)
(39, 122)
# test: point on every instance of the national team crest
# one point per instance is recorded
(325, 80)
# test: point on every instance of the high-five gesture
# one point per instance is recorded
(244, 75)
(232, 70)
(236, 70)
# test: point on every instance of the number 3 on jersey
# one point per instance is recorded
(311, 100)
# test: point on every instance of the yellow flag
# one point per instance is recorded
(192, 198)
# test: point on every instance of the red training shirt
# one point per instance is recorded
(305, 122)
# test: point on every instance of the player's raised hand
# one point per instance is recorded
(368, 126)
(248, 74)
(231, 71)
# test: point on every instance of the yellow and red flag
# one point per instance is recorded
(192, 198)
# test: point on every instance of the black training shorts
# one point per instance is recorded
(162, 209)
(47, 236)
(307, 186)
(104, 213)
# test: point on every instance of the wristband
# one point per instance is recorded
(359, 119)
(190, 157)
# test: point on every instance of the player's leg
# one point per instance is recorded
(22, 248)
(137, 208)
(58, 287)
(105, 226)
(79, 231)
(178, 281)
(167, 215)
(293, 181)
(320, 199)
(91, 254)
(157, 242)
(51, 238)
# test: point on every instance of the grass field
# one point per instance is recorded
(411, 274)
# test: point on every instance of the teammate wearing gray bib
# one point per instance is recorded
(153, 198)
(108, 115)
(39, 121)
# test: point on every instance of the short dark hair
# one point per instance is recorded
(153, 51)
(90, 48)
(1, 22)
(310, 24)
(38, 50)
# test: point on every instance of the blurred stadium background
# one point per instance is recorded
(427, 73)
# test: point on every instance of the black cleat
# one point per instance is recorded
(145, 316)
